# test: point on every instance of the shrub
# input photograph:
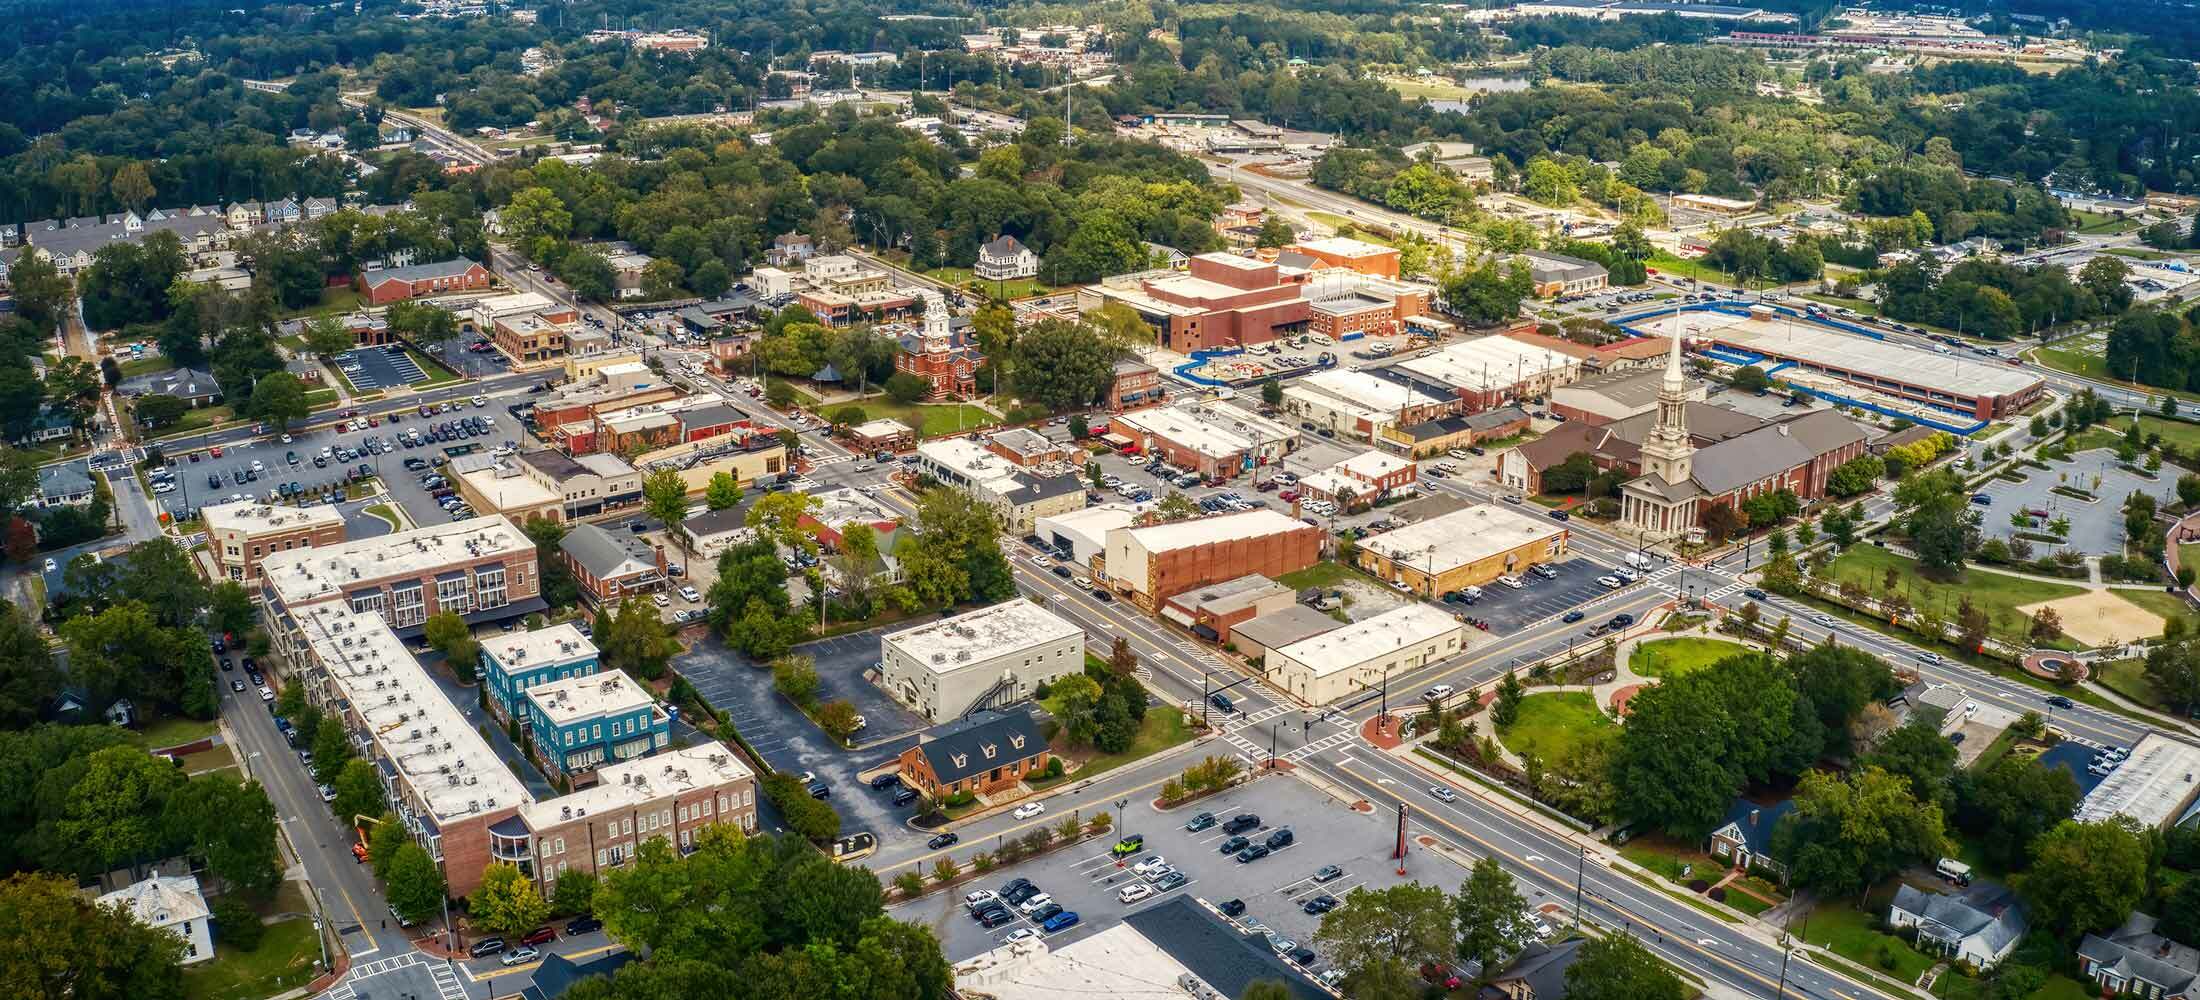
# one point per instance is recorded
(981, 862)
(1101, 822)
(910, 883)
(945, 870)
(1054, 767)
(238, 926)
(1717, 894)
(1698, 885)
(960, 799)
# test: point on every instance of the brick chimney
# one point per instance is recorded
(661, 561)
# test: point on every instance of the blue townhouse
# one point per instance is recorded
(582, 723)
(513, 663)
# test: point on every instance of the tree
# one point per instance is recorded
(838, 719)
(507, 901)
(1489, 293)
(1408, 924)
(535, 220)
(956, 554)
(559, 588)
(2046, 626)
(132, 186)
(279, 398)
(231, 825)
(1855, 476)
(330, 750)
(1618, 967)
(724, 491)
(1274, 232)
(1075, 697)
(1062, 365)
(449, 634)
(1848, 833)
(1751, 378)
(1918, 754)
(575, 894)
(633, 638)
(1492, 917)
(28, 675)
(1271, 392)
(796, 677)
(1506, 708)
(358, 790)
(414, 884)
(2010, 804)
(784, 519)
(57, 942)
(2085, 876)
(902, 386)
(327, 335)
(664, 497)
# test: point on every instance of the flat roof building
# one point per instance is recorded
(1257, 636)
(1211, 611)
(1083, 534)
(1215, 440)
(1617, 396)
(2153, 787)
(1343, 661)
(1465, 548)
(1152, 564)
(980, 660)
(513, 662)
(1488, 372)
(1360, 405)
(581, 723)
(482, 569)
(1017, 497)
(239, 535)
(1357, 255)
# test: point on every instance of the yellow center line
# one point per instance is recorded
(532, 966)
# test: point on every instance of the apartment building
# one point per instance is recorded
(239, 535)
(673, 796)
(581, 723)
(1152, 564)
(587, 485)
(481, 568)
(514, 662)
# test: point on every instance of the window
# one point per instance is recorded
(561, 850)
(599, 859)
(683, 817)
(628, 824)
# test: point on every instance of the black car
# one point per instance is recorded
(486, 946)
(1304, 956)
(1253, 853)
(1222, 703)
(1046, 912)
(1560, 515)
(885, 781)
(819, 789)
(582, 925)
(943, 840)
(1241, 823)
(1234, 845)
(1017, 895)
(1279, 840)
(1063, 572)
(1622, 620)
(2061, 702)
(1101, 595)
(1753, 594)
(1232, 907)
(1571, 617)
(1012, 886)
(1319, 905)
(994, 917)
(905, 795)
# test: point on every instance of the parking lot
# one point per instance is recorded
(791, 743)
(458, 352)
(1088, 879)
(198, 472)
(370, 368)
(1509, 610)
(2095, 528)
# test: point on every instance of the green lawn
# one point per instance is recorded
(2102, 222)
(198, 420)
(2074, 361)
(320, 398)
(1326, 574)
(1434, 88)
(1332, 220)
(1665, 263)
(929, 420)
(2128, 678)
(801, 398)
(1163, 727)
(1018, 288)
(1552, 725)
(146, 365)
(1997, 594)
(1674, 657)
(2137, 254)
(1847, 932)
(171, 731)
(283, 961)
(334, 302)
(383, 511)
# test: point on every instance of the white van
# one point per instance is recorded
(1954, 871)
(1638, 560)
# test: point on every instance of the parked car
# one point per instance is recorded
(1232, 907)
(1328, 873)
(486, 946)
(540, 935)
(1060, 922)
(1241, 823)
(1200, 822)
(582, 925)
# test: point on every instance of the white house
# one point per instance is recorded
(1006, 259)
(171, 903)
(1981, 926)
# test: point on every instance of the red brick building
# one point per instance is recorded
(400, 284)
(948, 360)
(1152, 564)
(1222, 300)
(1136, 384)
(985, 754)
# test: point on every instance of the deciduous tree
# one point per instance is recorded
(507, 901)
(1491, 916)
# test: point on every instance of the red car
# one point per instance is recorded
(540, 935)
(215, 451)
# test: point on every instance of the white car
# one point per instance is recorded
(1512, 581)
(1084, 582)
(1626, 575)
(1611, 582)
(1442, 794)
(1042, 562)
(1134, 892)
(690, 595)
(1021, 934)
(1036, 903)
(481, 400)
(1437, 693)
(1150, 866)
(980, 899)
(661, 600)
(1030, 809)
(1823, 619)
(266, 694)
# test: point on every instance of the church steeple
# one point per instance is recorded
(1668, 453)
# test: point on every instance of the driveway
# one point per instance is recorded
(789, 742)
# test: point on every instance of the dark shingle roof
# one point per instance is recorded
(980, 743)
(1542, 968)
(601, 552)
(1215, 951)
(420, 272)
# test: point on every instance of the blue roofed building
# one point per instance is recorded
(517, 661)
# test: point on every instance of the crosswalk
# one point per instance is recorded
(447, 986)
(1333, 741)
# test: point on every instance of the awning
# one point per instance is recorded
(1206, 633)
(497, 614)
(1177, 615)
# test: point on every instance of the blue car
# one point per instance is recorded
(1060, 921)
